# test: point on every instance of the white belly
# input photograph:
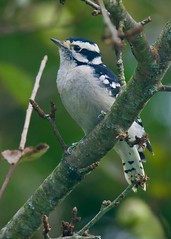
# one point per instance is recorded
(83, 97)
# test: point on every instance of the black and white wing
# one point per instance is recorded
(107, 79)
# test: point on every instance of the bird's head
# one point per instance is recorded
(79, 50)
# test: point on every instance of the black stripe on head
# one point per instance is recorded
(90, 55)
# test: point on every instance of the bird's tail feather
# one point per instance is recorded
(132, 163)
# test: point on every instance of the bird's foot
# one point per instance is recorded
(101, 115)
(70, 148)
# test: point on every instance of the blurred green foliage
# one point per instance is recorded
(141, 221)
(25, 29)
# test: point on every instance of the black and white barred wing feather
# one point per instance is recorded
(107, 79)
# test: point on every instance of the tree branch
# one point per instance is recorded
(164, 88)
(162, 47)
(66, 176)
(138, 42)
(115, 38)
(92, 4)
(51, 118)
(106, 206)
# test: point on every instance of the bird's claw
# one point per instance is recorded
(70, 148)
(101, 115)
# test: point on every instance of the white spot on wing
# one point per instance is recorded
(105, 81)
(113, 85)
(102, 77)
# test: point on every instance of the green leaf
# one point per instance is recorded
(17, 82)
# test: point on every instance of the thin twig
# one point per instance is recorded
(106, 206)
(88, 168)
(68, 227)
(97, 8)
(146, 21)
(7, 178)
(115, 38)
(39, 110)
(51, 118)
(26, 125)
(119, 60)
(120, 67)
(57, 134)
(92, 4)
(30, 108)
(137, 29)
(164, 88)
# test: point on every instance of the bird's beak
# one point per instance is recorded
(59, 43)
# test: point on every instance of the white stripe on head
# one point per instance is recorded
(97, 60)
(87, 45)
(79, 57)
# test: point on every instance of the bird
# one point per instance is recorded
(88, 89)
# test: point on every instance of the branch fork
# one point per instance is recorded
(51, 118)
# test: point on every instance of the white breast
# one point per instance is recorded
(82, 95)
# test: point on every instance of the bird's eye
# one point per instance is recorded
(77, 48)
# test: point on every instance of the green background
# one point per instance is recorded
(25, 30)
